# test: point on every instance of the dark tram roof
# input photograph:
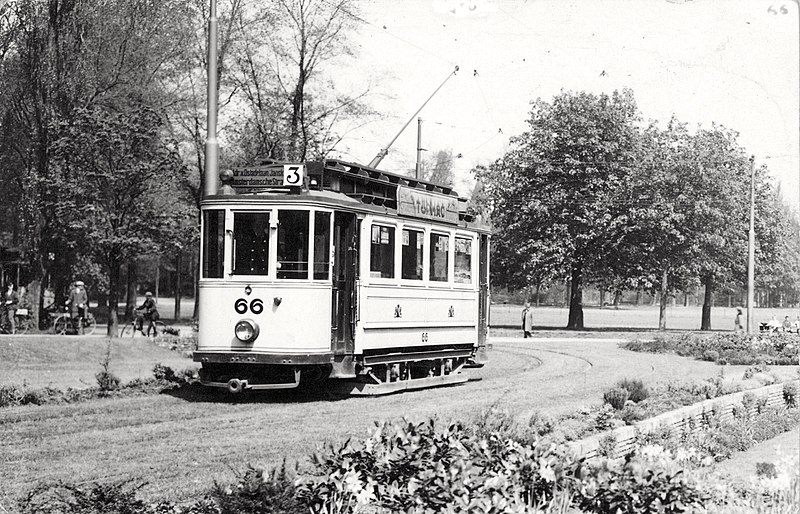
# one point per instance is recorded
(368, 185)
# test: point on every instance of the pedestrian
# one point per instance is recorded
(10, 301)
(527, 320)
(787, 325)
(78, 303)
(737, 323)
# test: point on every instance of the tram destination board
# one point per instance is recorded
(258, 177)
(422, 204)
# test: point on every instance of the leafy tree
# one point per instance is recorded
(559, 196)
(114, 187)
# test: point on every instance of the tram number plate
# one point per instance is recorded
(424, 337)
(256, 306)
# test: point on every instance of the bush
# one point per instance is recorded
(790, 394)
(711, 355)
(616, 397)
(260, 493)
(637, 392)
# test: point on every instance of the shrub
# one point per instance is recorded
(260, 492)
(766, 469)
(637, 391)
(541, 424)
(711, 355)
(616, 397)
(604, 419)
(790, 394)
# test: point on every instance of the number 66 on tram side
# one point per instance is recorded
(333, 270)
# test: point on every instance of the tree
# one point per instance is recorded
(559, 196)
(114, 185)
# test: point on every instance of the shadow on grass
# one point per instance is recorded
(587, 331)
(198, 393)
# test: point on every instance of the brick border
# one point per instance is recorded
(686, 419)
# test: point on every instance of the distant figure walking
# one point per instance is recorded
(78, 303)
(527, 320)
(737, 323)
(9, 308)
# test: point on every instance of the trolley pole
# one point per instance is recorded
(212, 146)
(751, 248)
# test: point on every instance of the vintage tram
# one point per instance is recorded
(372, 281)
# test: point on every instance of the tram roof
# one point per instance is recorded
(350, 184)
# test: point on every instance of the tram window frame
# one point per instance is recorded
(213, 258)
(237, 241)
(321, 261)
(470, 239)
(302, 271)
(418, 254)
(432, 276)
(382, 262)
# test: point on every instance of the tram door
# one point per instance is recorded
(345, 269)
(483, 297)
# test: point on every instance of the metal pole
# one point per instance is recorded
(212, 147)
(751, 247)
(419, 148)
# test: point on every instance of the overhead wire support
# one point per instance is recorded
(385, 150)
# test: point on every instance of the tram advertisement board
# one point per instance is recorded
(427, 205)
(260, 177)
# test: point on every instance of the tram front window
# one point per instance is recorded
(293, 244)
(322, 245)
(250, 243)
(213, 243)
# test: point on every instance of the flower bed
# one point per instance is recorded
(779, 348)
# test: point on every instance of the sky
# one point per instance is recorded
(733, 62)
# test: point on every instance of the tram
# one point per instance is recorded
(370, 281)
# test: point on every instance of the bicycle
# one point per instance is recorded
(155, 329)
(64, 324)
(23, 323)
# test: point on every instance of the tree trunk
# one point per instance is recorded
(662, 309)
(685, 299)
(158, 277)
(708, 298)
(638, 297)
(178, 261)
(113, 302)
(602, 294)
(575, 321)
(132, 286)
(617, 299)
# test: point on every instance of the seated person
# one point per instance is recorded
(787, 325)
(796, 325)
(773, 325)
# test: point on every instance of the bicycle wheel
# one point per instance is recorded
(127, 330)
(60, 325)
(156, 329)
(23, 325)
(89, 324)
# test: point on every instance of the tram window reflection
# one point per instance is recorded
(381, 252)
(322, 245)
(463, 262)
(293, 244)
(250, 243)
(440, 252)
(412, 254)
(213, 243)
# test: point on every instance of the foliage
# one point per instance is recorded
(637, 391)
(726, 348)
(790, 394)
(616, 397)
(106, 380)
(260, 492)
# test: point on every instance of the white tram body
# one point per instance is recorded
(375, 279)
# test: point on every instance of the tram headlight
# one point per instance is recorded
(246, 330)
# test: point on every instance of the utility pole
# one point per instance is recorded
(419, 148)
(751, 247)
(212, 146)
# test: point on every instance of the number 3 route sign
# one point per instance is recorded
(293, 174)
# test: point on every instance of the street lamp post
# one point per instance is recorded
(212, 146)
(751, 248)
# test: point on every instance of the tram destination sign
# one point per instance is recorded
(260, 177)
(427, 205)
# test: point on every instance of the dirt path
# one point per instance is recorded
(181, 445)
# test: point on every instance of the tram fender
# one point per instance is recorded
(344, 366)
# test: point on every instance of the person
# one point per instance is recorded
(149, 313)
(773, 325)
(787, 325)
(796, 325)
(10, 301)
(737, 323)
(78, 303)
(527, 320)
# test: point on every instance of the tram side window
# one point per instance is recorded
(440, 252)
(381, 252)
(412, 254)
(213, 243)
(322, 245)
(293, 244)
(250, 243)
(463, 260)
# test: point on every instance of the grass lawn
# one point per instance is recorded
(72, 361)
(628, 318)
(742, 466)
